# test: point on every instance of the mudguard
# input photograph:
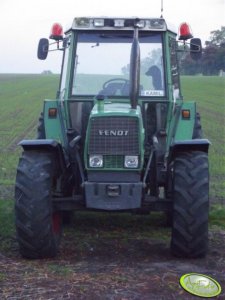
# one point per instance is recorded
(46, 145)
(188, 145)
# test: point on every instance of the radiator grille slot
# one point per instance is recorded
(114, 136)
(113, 161)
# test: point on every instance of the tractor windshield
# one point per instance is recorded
(102, 64)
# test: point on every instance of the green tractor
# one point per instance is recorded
(118, 136)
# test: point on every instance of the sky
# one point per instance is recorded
(24, 22)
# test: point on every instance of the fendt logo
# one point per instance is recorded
(113, 132)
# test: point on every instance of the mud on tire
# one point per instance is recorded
(38, 227)
(191, 204)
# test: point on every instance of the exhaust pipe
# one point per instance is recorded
(134, 70)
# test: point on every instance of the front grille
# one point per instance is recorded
(114, 136)
(113, 161)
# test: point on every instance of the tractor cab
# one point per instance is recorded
(100, 62)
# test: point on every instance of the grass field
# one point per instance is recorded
(209, 93)
(21, 100)
(103, 255)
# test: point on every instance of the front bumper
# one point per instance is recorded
(113, 196)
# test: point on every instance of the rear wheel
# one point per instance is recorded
(191, 204)
(38, 226)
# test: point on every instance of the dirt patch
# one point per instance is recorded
(108, 261)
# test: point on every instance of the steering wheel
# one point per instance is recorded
(115, 79)
(115, 85)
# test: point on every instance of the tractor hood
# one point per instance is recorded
(115, 133)
(104, 109)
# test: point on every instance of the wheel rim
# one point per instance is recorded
(56, 222)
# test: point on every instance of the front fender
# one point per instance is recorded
(188, 145)
(47, 145)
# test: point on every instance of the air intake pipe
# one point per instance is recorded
(134, 70)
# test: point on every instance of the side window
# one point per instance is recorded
(174, 69)
(66, 44)
(152, 70)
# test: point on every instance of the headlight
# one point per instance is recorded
(82, 22)
(131, 161)
(99, 22)
(96, 161)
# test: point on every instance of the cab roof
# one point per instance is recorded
(116, 23)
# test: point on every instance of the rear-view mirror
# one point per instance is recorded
(196, 48)
(43, 46)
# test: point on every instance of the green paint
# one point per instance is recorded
(52, 125)
(109, 109)
(185, 127)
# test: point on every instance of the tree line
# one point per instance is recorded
(212, 61)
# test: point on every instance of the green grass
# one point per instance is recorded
(7, 227)
(21, 100)
(217, 216)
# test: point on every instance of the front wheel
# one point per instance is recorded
(38, 226)
(191, 204)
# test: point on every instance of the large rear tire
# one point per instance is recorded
(191, 205)
(38, 226)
